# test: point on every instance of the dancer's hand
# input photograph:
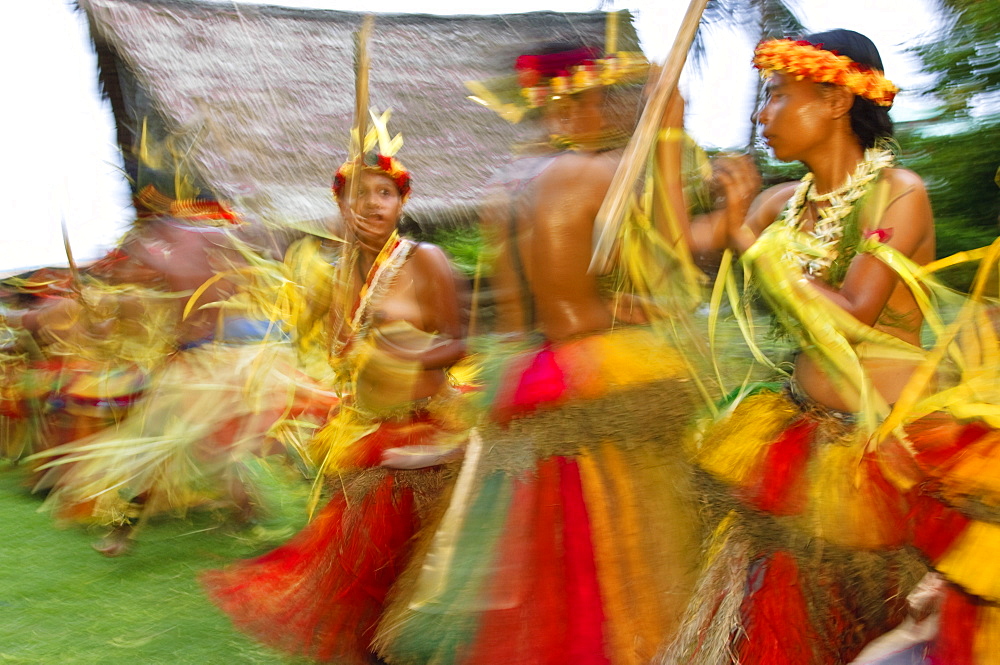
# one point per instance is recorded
(62, 319)
(419, 457)
(920, 626)
(926, 597)
(630, 308)
(739, 181)
(673, 114)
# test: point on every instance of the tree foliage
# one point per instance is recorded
(959, 169)
(958, 151)
(964, 59)
(760, 19)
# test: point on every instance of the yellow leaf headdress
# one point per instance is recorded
(378, 156)
(160, 161)
(544, 77)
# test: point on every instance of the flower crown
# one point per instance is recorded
(376, 160)
(545, 77)
(376, 163)
(811, 61)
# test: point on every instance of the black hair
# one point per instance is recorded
(869, 121)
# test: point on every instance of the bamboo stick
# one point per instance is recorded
(76, 282)
(616, 202)
(342, 302)
(361, 65)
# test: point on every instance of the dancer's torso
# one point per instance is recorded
(387, 378)
(537, 229)
(900, 318)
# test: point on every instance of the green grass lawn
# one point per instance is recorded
(62, 603)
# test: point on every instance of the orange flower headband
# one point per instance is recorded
(543, 77)
(376, 163)
(805, 60)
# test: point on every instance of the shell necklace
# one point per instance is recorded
(816, 249)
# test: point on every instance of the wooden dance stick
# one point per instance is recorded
(345, 267)
(361, 64)
(76, 283)
(612, 213)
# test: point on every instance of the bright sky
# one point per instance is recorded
(61, 159)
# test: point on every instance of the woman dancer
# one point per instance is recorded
(321, 594)
(555, 548)
(806, 564)
(217, 397)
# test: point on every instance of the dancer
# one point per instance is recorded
(807, 562)
(220, 397)
(321, 594)
(79, 357)
(555, 547)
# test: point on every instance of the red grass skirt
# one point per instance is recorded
(956, 518)
(570, 536)
(808, 563)
(321, 594)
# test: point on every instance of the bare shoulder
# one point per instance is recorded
(907, 211)
(903, 181)
(769, 204)
(570, 192)
(579, 172)
(429, 258)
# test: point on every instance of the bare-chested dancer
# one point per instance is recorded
(558, 550)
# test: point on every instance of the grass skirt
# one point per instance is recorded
(321, 594)
(956, 520)
(50, 402)
(808, 562)
(569, 537)
(206, 413)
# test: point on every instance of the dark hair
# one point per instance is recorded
(869, 121)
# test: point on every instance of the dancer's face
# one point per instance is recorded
(376, 210)
(795, 117)
(578, 115)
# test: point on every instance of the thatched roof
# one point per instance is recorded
(263, 96)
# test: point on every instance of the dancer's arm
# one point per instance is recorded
(907, 225)
(736, 178)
